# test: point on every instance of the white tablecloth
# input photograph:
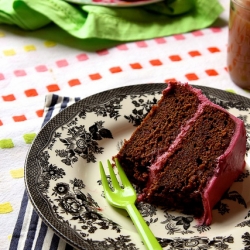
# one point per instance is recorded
(33, 65)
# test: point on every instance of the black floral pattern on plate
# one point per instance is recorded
(82, 136)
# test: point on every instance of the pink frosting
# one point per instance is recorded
(229, 165)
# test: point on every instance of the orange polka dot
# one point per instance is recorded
(30, 92)
(155, 62)
(96, 76)
(226, 69)
(192, 77)
(40, 112)
(53, 87)
(194, 53)
(136, 66)
(175, 58)
(9, 98)
(115, 69)
(170, 80)
(74, 82)
(211, 72)
(19, 118)
(213, 49)
(1, 123)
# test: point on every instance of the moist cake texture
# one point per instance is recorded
(186, 153)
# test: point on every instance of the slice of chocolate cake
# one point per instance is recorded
(186, 153)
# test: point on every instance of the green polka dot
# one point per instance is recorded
(231, 91)
(6, 143)
(28, 138)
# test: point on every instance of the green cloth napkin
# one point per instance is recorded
(119, 24)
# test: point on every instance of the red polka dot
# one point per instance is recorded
(53, 87)
(102, 52)
(62, 63)
(19, 118)
(82, 57)
(216, 29)
(155, 62)
(9, 98)
(122, 47)
(226, 69)
(41, 68)
(197, 33)
(175, 58)
(96, 76)
(213, 49)
(115, 69)
(211, 72)
(40, 112)
(141, 44)
(30, 92)
(194, 53)
(136, 66)
(192, 77)
(2, 77)
(1, 123)
(160, 40)
(179, 37)
(170, 80)
(74, 82)
(20, 73)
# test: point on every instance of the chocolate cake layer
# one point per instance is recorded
(158, 132)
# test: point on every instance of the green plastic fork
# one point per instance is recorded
(125, 197)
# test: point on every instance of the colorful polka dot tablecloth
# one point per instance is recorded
(37, 65)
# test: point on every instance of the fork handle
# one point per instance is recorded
(147, 236)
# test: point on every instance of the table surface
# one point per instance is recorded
(34, 64)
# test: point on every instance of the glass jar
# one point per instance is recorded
(238, 56)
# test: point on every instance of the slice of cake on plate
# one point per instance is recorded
(186, 153)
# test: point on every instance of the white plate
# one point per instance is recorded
(115, 3)
(63, 181)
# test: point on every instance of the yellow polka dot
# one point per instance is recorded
(9, 52)
(49, 44)
(5, 208)
(6, 143)
(231, 91)
(17, 173)
(29, 48)
(28, 138)
(2, 34)
(9, 237)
